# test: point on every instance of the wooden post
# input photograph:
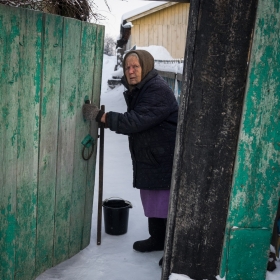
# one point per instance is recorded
(256, 179)
(217, 50)
(100, 192)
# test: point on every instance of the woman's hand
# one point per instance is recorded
(92, 112)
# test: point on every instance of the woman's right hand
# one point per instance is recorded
(92, 112)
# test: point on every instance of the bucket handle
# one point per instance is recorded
(126, 201)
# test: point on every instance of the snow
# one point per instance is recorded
(142, 9)
(118, 73)
(219, 278)
(128, 25)
(115, 259)
(171, 66)
(175, 276)
(158, 52)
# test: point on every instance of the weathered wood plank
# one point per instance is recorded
(152, 19)
(28, 139)
(145, 30)
(155, 35)
(176, 14)
(181, 11)
(256, 187)
(66, 136)
(147, 20)
(167, 16)
(158, 18)
(98, 60)
(87, 67)
(150, 34)
(51, 71)
(136, 34)
(185, 14)
(169, 35)
(174, 39)
(9, 80)
(164, 35)
(159, 30)
(215, 71)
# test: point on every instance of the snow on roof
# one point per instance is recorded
(142, 9)
(158, 52)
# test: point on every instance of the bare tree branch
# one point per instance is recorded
(84, 10)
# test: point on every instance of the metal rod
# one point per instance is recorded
(100, 192)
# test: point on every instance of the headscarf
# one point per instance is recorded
(146, 62)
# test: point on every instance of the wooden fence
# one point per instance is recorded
(48, 64)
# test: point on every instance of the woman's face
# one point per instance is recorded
(133, 70)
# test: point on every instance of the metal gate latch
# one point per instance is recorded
(87, 143)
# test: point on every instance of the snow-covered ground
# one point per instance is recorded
(115, 259)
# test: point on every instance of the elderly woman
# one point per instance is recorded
(150, 123)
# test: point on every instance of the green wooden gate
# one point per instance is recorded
(256, 179)
(48, 64)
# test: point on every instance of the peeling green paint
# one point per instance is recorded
(44, 106)
(5, 114)
(38, 59)
(43, 78)
(256, 180)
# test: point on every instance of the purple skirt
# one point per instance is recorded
(155, 203)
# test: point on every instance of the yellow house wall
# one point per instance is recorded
(167, 27)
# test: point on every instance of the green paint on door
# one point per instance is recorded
(247, 244)
(46, 68)
(256, 181)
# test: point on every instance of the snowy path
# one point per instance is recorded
(115, 259)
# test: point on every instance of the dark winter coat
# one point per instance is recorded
(150, 123)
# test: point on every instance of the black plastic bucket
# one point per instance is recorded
(116, 212)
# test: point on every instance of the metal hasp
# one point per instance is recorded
(87, 142)
(214, 80)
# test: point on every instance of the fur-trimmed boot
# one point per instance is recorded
(155, 242)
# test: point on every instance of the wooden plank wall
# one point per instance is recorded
(256, 179)
(48, 64)
(167, 28)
